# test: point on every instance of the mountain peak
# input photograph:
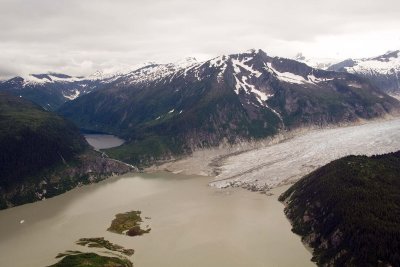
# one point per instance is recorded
(299, 57)
(254, 51)
(389, 55)
(186, 62)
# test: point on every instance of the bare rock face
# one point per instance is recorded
(99, 165)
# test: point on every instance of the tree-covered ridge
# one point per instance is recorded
(43, 155)
(32, 139)
(349, 211)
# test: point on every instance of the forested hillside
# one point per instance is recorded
(42, 154)
(349, 211)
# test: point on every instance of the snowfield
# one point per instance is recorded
(269, 166)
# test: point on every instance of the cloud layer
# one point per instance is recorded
(79, 37)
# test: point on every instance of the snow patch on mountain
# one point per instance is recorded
(72, 95)
(219, 63)
(158, 72)
(286, 76)
(242, 83)
(237, 64)
(49, 78)
(314, 79)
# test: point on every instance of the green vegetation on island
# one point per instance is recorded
(80, 259)
(125, 223)
(100, 242)
(348, 211)
(128, 223)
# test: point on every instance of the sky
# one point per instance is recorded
(79, 37)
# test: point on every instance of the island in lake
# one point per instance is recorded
(129, 223)
(80, 259)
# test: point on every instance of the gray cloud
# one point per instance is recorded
(79, 37)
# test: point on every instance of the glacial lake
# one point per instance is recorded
(192, 224)
(103, 141)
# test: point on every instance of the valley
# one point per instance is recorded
(199, 133)
(215, 222)
(167, 110)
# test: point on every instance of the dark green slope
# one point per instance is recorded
(349, 211)
(42, 154)
(32, 139)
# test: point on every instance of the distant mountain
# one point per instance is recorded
(318, 63)
(170, 109)
(348, 211)
(51, 90)
(383, 71)
(42, 154)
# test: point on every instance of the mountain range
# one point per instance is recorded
(383, 71)
(51, 90)
(164, 110)
(169, 109)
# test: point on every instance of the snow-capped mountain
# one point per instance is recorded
(318, 63)
(383, 71)
(51, 90)
(175, 108)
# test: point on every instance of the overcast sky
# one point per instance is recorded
(78, 37)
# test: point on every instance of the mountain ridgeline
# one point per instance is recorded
(42, 154)
(383, 71)
(164, 110)
(51, 90)
(348, 211)
(170, 109)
